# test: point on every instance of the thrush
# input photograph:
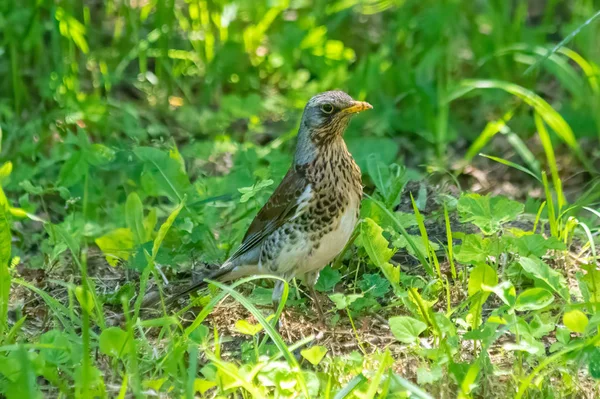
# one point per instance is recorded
(311, 215)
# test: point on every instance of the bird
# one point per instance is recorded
(311, 215)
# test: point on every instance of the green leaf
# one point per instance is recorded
(406, 329)
(202, 386)
(73, 170)
(374, 284)
(402, 242)
(473, 250)
(72, 29)
(563, 335)
(377, 247)
(98, 154)
(328, 278)
(314, 354)
(575, 320)
(343, 301)
(124, 293)
(116, 245)
(150, 223)
(19, 375)
(247, 328)
(423, 257)
(250, 192)
(164, 229)
(5, 170)
(392, 273)
(389, 180)
(542, 324)
(481, 281)
(61, 234)
(528, 344)
(482, 275)
(429, 376)
(30, 188)
(200, 335)
(488, 213)
(537, 245)
(134, 215)
(61, 351)
(469, 381)
(379, 173)
(85, 299)
(261, 296)
(534, 299)
(591, 283)
(112, 342)
(367, 303)
(162, 174)
(538, 270)
(594, 362)
(505, 291)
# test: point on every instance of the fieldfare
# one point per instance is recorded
(311, 215)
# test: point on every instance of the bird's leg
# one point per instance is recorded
(315, 298)
(311, 279)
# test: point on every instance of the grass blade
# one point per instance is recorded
(424, 235)
(526, 155)
(512, 165)
(547, 144)
(5, 243)
(384, 364)
(351, 386)
(490, 130)
(449, 241)
(563, 42)
(57, 308)
(550, 204)
(545, 110)
(412, 388)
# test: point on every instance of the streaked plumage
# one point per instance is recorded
(310, 217)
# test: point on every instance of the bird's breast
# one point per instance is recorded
(329, 241)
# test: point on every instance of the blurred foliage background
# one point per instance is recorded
(221, 85)
(115, 114)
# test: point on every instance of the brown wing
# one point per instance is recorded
(280, 207)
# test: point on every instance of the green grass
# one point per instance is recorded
(138, 139)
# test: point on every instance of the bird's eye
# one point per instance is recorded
(327, 108)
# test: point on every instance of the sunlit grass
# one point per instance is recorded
(129, 128)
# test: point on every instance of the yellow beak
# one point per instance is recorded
(357, 106)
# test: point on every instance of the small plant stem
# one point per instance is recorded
(192, 369)
(256, 352)
(448, 307)
(449, 241)
(360, 345)
(85, 331)
(133, 371)
(538, 216)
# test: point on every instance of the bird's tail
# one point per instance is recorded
(217, 274)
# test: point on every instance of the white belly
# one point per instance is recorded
(297, 257)
(333, 242)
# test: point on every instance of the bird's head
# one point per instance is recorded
(324, 120)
